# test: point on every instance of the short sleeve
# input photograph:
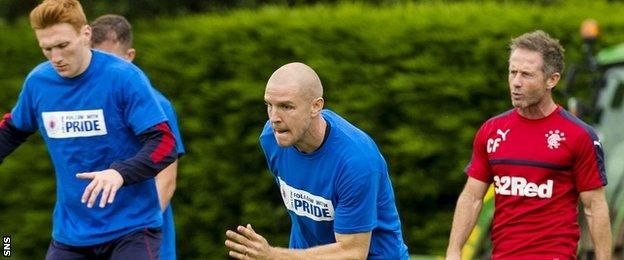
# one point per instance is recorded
(23, 114)
(479, 167)
(357, 191)
(142, 110)
(588, 167)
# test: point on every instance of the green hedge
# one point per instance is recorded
(419, 78)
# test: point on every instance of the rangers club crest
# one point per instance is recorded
(554, 138)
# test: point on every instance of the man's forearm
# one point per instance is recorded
(329, 252)
(158, 152)
(10, 137)
(166, 184)
(466, 214)
(600, 229)
(245, 243)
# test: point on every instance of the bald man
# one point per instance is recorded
(333, 180)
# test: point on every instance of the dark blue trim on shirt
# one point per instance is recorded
(530, 163)
(506, 113)
(594, 137)
(157, 153)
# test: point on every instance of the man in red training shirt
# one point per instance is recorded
(541, 160)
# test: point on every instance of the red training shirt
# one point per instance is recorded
(538, 167)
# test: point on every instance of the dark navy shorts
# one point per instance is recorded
(143, 244)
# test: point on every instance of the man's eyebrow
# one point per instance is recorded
(287, 102)
(55, 45)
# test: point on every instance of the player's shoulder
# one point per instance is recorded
(350, 141)
(43, 75)
(572, 119)
(42, 68)
(343, 127)
(162, 99)
(41, 71)
(344, 130)
(504, 116)
(497, 121)
(115, 66)
(573, 124)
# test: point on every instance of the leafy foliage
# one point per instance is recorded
(419, 78)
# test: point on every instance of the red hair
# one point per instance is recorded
(52, 12)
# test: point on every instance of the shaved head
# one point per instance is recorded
(294, 100)
(299, 76)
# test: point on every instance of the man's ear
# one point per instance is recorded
(86, 32)
(553, 80)
(317, 106)
(130, 54)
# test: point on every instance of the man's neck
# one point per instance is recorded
(314, 137)
(85, 63)
(538, 111)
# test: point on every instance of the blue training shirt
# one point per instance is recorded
(343, 188)
(168, 244)
(88, 122)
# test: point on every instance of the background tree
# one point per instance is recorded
(419, 78)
